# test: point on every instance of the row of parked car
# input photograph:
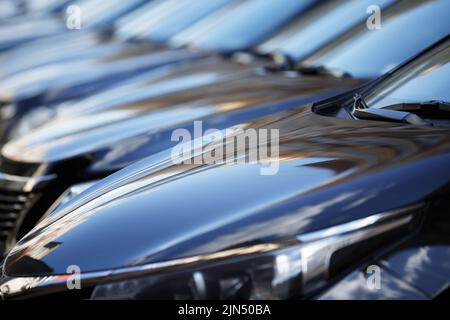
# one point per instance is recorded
(355, 92)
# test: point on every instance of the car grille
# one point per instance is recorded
(13, 206)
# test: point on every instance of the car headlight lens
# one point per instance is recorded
(264, 271)
(272, 275)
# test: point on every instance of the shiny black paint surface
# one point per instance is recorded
(118, 135)
(331, 172)
(98, 136)
(94, 70)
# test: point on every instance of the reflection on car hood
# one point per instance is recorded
(58, 77)
(57, 49)
(32, 28)
(331, 171)
(115, 135)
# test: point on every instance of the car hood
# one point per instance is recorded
(135, 89)
(73, 77)
(30, 29)
(57, 49)
(113, 136)
(331, 171)
(144, 87)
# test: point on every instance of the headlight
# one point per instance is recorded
(265, 271)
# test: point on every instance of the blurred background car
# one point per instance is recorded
(69, 80)
(14, 11)
(50, 21)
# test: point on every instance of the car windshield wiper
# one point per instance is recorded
(249, 56)
(390, 115)
(282, 61)
(432, 106)
(278, 60)
(401, 112)
(321, 70)
(359, 102)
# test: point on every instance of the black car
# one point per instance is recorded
(63, 80)
(363, 181)
(37, 168)
(18, 10)
(49, 19)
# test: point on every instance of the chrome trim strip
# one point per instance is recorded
(27, 183)
(357, 224)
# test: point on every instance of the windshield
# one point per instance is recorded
(425, 79)
(243, 26)
(407, 27)
(319, 26)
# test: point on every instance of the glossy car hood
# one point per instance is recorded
(198, 73)
(29, 29)
(331, 171)
(115, 135)
(136, 89)
(73, 76)
(57, 49)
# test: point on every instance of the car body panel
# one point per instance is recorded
(315, 188)
(14, 35)
(219, 100)
(56, 49)
(85, 76)
(72, 79)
